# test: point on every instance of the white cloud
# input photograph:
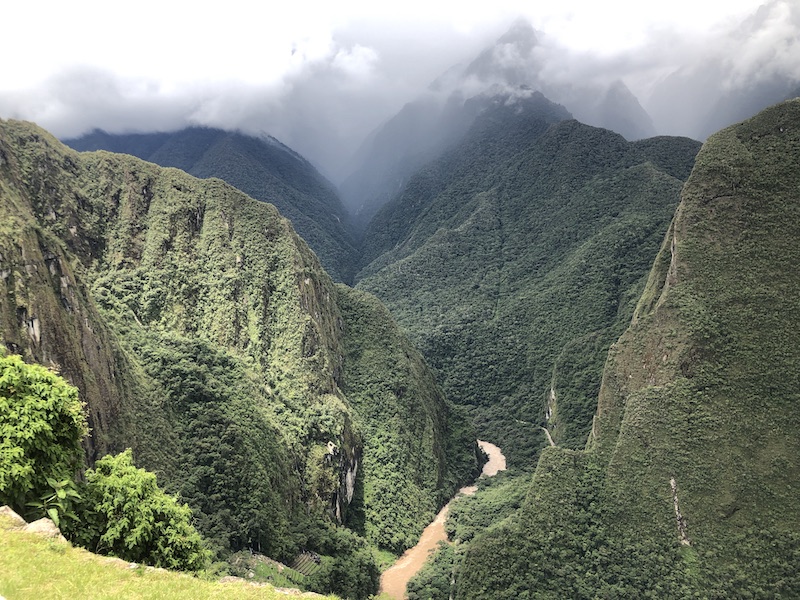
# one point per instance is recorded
(320, 75)
(358, 62)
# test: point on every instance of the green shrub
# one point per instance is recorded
(126, 514)
(42, 423)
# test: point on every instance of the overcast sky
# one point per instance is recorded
(317, 75)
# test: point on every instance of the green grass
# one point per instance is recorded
(32, 567)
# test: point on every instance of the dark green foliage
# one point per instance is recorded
(42, 425)
(497, 499)
(231, 461)
(57, 503)
(348, 567)
(261, 167)
(417, 447)
(433, 580)
(563, 545)
(698, 406)
(124, 513)
(673, 155)
(516, 259)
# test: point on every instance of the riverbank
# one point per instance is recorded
(395, 579)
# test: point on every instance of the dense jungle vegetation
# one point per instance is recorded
(203, 334)
(515, 260)
(686, 488)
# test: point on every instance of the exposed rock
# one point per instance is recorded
(16, 520)
(45, 528)
(298, 593)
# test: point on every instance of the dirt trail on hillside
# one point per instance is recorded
(395, 579)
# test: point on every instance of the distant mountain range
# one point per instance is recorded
(427, 126)
(754, 67)
(263, 168)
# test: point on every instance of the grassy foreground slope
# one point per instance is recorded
(688, 487)
(203, 333)
(516, 259)
(33, 567)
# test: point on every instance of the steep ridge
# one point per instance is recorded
(516, 259)
(398, 405)
(261, 167)
(203, 333)
(688, 484)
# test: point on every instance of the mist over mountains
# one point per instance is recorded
(334, 94)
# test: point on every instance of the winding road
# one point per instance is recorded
(395, 579)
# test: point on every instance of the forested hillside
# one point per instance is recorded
(516, 259)
(261, 167)
(203, 333)
(688, 485)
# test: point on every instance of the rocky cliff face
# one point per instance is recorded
(198, 327)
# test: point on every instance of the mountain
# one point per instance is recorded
(517, 60)
(203, 333)
(263, 168)
(515, 260)
(688, 484)
(417, 134)
(427, 126)
(751, 68)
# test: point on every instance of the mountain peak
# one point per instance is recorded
(521, 33)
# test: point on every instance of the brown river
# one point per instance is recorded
(396, 577)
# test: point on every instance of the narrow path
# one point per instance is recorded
(549, 437)
(395, 579)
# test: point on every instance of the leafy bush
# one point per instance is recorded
(126, 514)
(348, 566)
(42, 423)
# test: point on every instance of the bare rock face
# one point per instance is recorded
(45, 528)
(16, 520)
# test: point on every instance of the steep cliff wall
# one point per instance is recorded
(689, 482)
(199, 328)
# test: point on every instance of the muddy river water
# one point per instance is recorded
(396, 577)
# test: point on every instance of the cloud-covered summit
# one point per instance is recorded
(321, 78)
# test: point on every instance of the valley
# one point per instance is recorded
(215, 360)
(395, 579)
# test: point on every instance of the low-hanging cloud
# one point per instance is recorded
(321, 93)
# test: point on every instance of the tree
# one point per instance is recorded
(126, 514)
(42, 423)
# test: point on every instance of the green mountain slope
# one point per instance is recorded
(516, 259)
(261, 167)
(424, 128)
(688, 487)
(203, 333)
